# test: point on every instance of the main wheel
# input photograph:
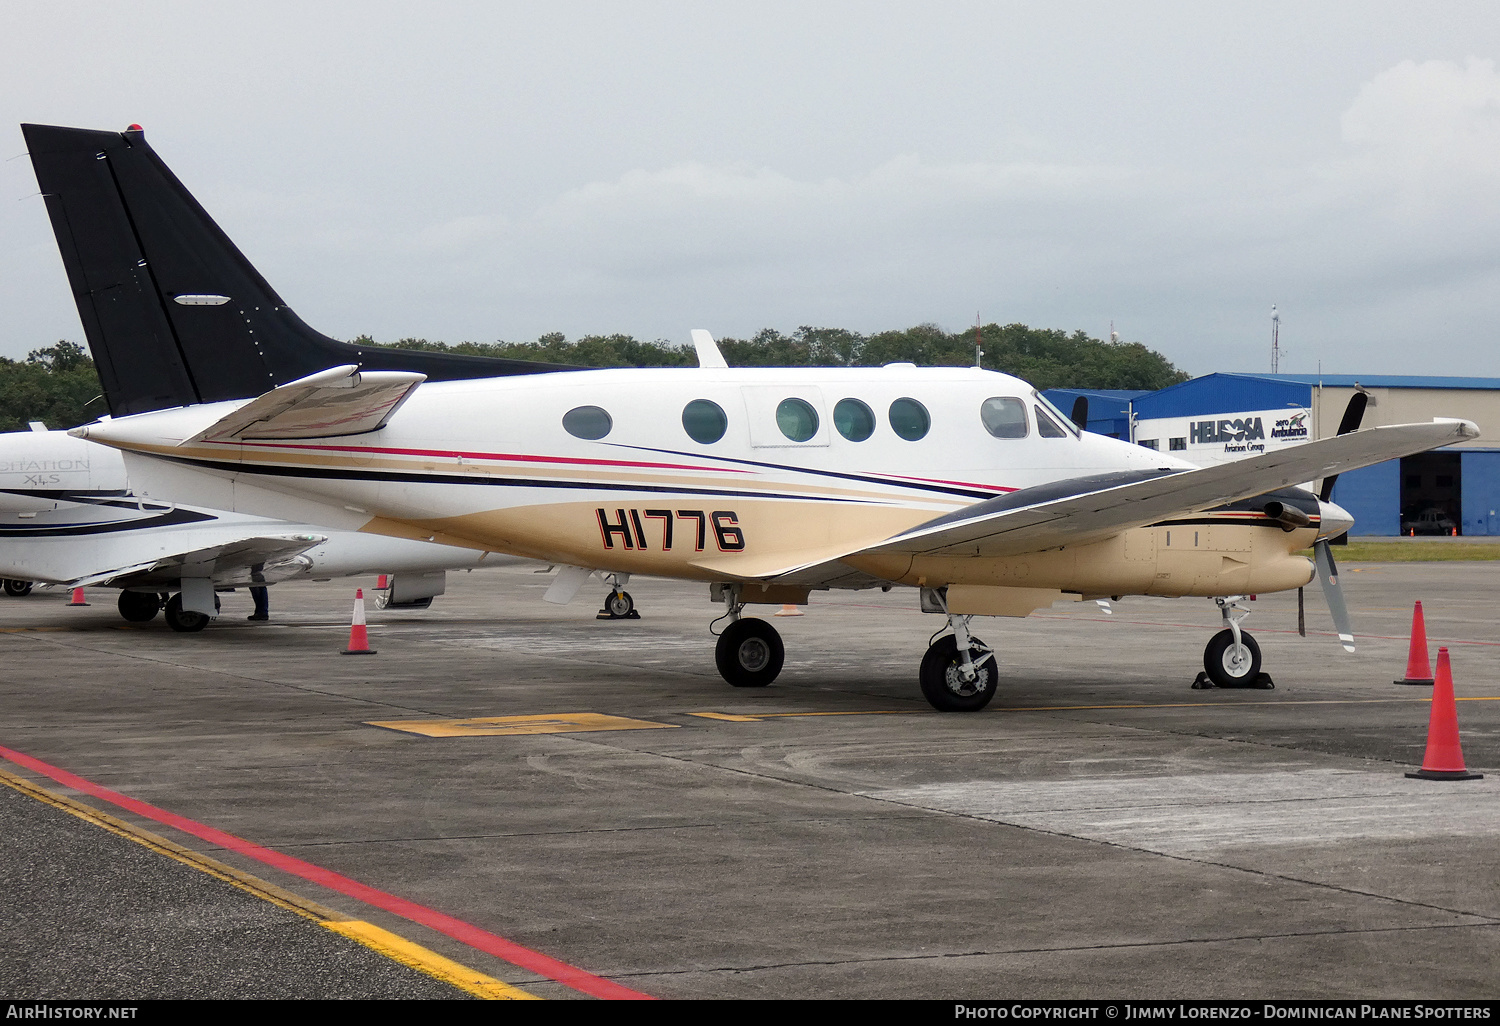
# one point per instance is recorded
(749, 653)
(139, 606)
(186, 621)
(1228, 666)
(943, 685)
(619, 604)
(15, 589)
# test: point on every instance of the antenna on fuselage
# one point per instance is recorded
(708, 349)
(978, 342)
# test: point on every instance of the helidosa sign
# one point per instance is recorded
(1223, 438)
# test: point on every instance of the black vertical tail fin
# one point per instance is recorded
(173, 312)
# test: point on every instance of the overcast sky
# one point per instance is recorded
(482, 171)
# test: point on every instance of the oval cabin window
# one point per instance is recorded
(909, 419)
(704, 421)
(797, 419)
(588, 422)
(854, 420)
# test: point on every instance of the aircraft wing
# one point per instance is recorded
(339, 401)
(230, 563)
(1086, 509)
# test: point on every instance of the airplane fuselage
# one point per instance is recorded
(719, 475)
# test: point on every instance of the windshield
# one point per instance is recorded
(1062, 418)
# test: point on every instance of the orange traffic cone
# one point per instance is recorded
(1418, 668)
(1444, 759)
(359, 639)
(788, 609)
(78, 598)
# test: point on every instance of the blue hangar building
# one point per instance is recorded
(1218, 418)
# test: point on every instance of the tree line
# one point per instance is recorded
(1046, 357)
(59, 386)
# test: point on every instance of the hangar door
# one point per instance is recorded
(1481, 493)
(1431, 493)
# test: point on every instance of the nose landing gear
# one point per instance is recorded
(1232, 657)
(618, 605)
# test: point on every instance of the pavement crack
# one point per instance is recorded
(1058, 950)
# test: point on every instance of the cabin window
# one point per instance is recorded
(797, 419)
(854, 420)
(1178, 444)
(909, 419)
(704, 421)
(1004, 417)
(588, 422)
(1046, 426)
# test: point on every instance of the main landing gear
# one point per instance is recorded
(959, 672)
(17, 589)
(618, 605)
(140, 606)
(749, 653)
(186, 621)
(1232, 657)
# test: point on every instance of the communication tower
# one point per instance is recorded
(1275, 340)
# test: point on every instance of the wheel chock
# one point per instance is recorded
(1262, 682)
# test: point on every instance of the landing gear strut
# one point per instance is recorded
(749, 653)
(1232, 658)
(959, 672)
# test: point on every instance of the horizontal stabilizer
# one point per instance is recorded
(338, 401)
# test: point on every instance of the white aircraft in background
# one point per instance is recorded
(764, 483)
(68, 517)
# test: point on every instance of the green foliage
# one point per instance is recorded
(1048, 358)
(56, 385)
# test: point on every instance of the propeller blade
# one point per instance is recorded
(1301, 615)
(1081, 412)
(1328, 576)
(1354, 413)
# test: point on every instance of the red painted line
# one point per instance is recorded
(998, 489)
(483, 940)
(498, 456)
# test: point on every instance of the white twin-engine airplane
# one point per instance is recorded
(766, 484)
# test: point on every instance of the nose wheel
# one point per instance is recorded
(1231, 665)
(618, 605)
(1232, 657)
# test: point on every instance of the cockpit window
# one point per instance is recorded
(1057, 414)
(1046, 426)
(1004, 417)
(588, 422)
